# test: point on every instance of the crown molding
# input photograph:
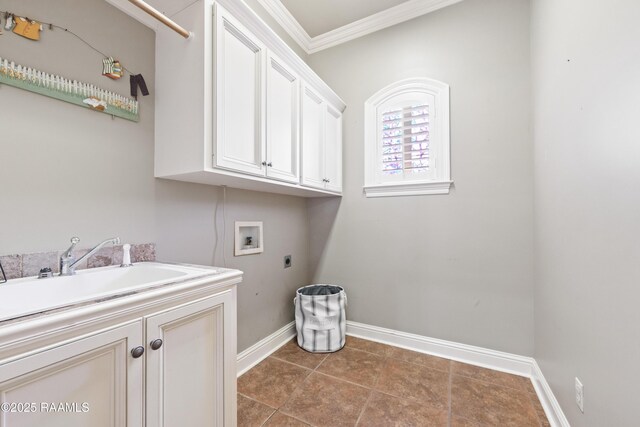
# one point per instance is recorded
(281, 14)
(376, 22)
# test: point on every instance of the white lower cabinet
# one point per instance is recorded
(170, 368)
(95, 379)
(185, 363)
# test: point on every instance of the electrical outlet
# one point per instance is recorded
(287, 261)
(579, 395)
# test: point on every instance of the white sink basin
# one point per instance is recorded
(31, 295)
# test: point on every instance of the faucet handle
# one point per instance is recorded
(68, 253)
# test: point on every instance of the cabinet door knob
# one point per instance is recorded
(137, 352)
(270, 164)
(264, 163)
(156, 344)
(328, 181)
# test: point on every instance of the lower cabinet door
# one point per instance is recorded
(94, 381)
(191, 379)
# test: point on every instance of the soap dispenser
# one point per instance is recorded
(126, 255)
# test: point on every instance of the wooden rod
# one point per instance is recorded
(162, 18)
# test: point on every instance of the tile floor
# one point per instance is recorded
(372, 384)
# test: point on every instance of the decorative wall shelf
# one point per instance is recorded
(71, 91)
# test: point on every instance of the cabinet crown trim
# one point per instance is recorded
(256, 25)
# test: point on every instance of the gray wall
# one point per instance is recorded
(586, 68)
(457, 267)
(67, 171)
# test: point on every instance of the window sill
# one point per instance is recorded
(407, 189)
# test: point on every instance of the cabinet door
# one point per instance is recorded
(333, 149)
(239, 97)
(191, 378)
(96, 379)
(282, 121)
(312, 139)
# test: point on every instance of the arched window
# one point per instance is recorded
(407, 139)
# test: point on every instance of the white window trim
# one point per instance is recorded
(442, 182)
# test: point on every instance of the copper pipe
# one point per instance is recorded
(162, 18)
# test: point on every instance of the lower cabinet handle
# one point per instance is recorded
(137, 352)
(264, 163)
(270, 164)
(156, 344)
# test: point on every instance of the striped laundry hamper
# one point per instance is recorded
(321, 318)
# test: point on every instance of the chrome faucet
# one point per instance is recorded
(68, 262)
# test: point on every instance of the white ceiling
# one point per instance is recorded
(321, 16)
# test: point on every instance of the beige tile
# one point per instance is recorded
(32, 263)
(462, 422)
(143, 252)
(408, 380)
(489, 375)
(324, 401)
(12, 266)
(102, 258)
(252, 413)
(281, 420)
(542, 417)
(352, 365)
(117, 255)
(291, 352)
(369, 346)
(427, 360)
(272, 381)
(385, 410)
(491, 404)
(528, 386)
(77, 254)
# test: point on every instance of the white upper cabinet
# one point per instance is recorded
(236, 106)
(333, 149)
(282, 121)
(313, 147)
(239, 138)
(321, 142)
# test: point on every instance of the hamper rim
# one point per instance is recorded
(319, 284)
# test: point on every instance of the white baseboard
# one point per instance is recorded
(547, 398)
(496, 360)
(486, 358)
(263, 348)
